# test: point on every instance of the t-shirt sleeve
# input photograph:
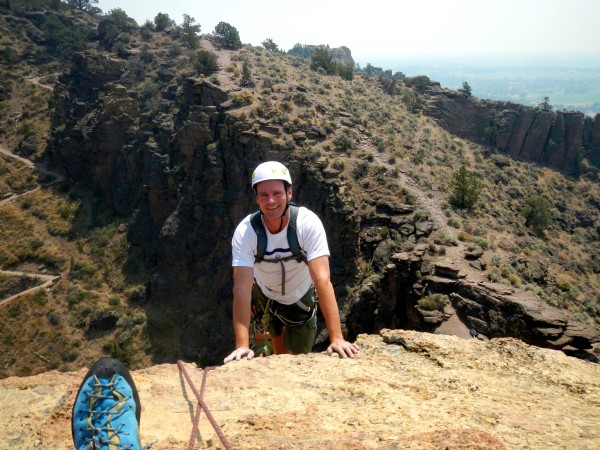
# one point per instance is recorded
(243, 245)
(313, 239)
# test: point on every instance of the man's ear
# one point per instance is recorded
(289, 193)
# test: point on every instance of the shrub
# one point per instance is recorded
(121, 348)
(433, 302)
(205, 62)
(454, 222)
(136, 294)
(242, 98)
(442, 238)
(361, 170)
(344, 141)
(338, 164)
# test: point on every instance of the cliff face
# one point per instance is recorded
(404, 390)
(551, 138)
(182, 179)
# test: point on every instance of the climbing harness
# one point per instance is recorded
(264, 309)
(294, 323)
(202, 406)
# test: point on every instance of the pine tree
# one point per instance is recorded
(465, 189)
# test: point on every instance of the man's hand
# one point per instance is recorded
(238, 354)
(343, 348)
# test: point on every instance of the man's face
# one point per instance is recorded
(272, 198)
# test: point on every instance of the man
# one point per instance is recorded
(283, 286)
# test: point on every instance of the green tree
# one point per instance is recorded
(466, 89)
(537, 213)
(465, 189)
(163, 21)
(9, 55)
(346, 71)
(321, 59)
(115, 26)
(269, 45)
(545, 105)
(84, 5)
(228, 35)
(301, 50)
(61, 39)
(413, 102)
(205, 62)
(246, 75)
(18, 6)
(190, 30)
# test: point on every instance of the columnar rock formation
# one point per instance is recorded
(556, 139)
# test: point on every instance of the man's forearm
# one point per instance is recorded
(330, 311)
(241, 321)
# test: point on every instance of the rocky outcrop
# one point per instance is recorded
(341, 55)
(551, 138)
(492, 309)
(404, 390)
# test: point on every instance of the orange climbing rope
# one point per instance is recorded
(202, 406)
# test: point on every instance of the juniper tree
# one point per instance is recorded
(269, 45)
(246, 75)
(465, 189)
(537, 213)
(228, 35)
(466, 89)
(190, 32)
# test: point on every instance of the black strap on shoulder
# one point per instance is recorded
(261, 235)
(292, 233)
(292, 237)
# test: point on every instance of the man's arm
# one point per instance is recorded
(243, 279)
(319, 273)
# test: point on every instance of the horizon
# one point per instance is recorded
(386, 29)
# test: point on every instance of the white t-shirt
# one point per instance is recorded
(312, 240)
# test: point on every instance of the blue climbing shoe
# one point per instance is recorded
(106, 413)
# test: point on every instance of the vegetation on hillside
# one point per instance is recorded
(540, 226)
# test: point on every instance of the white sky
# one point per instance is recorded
(377, 30)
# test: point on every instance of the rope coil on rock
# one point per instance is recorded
(202, 406)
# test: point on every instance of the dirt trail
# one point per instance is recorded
(423, 200)
(42, 168)
(48, 280)
(37, 81)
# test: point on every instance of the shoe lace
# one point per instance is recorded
(101, 413)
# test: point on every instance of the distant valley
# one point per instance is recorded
(570, 83)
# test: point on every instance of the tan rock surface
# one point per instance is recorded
(440, 392)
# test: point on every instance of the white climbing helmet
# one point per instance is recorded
(271, 170)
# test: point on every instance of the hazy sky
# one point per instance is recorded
(383, 30)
